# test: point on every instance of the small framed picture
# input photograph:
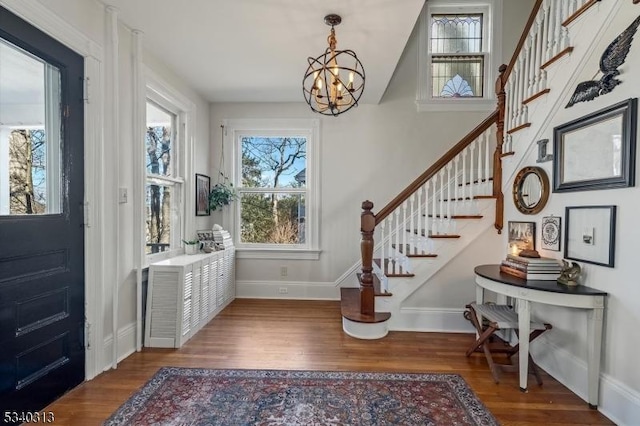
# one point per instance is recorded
(202, 195)
(590, 234)
(550, 233)
(521, 236)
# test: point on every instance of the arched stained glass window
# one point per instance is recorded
(456, 87)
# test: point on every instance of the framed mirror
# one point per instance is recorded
(531, 190)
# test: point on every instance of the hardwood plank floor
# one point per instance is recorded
(307, 335)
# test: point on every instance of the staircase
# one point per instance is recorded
(460, 196)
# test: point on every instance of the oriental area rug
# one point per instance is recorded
(190, 396)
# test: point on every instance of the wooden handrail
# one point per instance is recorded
(435, 168)
(523, 38)
(369, 221)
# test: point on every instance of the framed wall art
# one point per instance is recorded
(597, 151)
(203, 184)
(590, 234)
(550, 232)
(521, 236)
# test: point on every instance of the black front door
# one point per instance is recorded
(41, 228)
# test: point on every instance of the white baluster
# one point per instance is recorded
(441, 223)
(403, 229)
(434, 203)
(456, 192)
(416, 231)
(552, 19)
(425, 230)
(539, 52)
(469, 208)
(382, 240)
(450, 221)
(396, 229)
(564, 34)
(521, 89)
(425, 238)
(546, 25)
(558, 27)
(388, 266)
(479, 168)
(449, 183)
(487, 170)
(566, 9)
(528, 69)
(412, 235)
(464, 181)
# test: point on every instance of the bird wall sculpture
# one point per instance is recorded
(612, 58)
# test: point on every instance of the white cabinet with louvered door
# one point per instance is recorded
(186, 292)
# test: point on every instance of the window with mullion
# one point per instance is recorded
(273, 190)
(457, 63)
(459, 55)
(163, 185)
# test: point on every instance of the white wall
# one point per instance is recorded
(562, 351)
(371, 152)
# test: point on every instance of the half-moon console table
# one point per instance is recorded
(489, 277)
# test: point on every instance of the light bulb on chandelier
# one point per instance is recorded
(324, 85)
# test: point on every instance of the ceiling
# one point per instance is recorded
(256, 50)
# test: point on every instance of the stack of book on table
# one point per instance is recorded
(222, 239)
(531, 268)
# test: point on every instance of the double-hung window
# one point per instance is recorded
(163, 181)
(458, 55)
(275, 176)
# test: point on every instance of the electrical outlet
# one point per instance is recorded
(283, 290)
(123, 196)
(283, 271)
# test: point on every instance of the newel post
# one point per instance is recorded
(367, 226)
(497, 155)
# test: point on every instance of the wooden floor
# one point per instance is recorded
(307, 335)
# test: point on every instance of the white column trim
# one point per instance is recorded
(139, 112)
(113, 135)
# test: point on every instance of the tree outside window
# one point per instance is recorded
(160, 182)
(273, 190)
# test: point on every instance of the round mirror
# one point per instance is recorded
(531, 190)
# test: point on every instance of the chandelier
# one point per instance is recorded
(334, 81)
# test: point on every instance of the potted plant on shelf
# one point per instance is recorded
(191, 246)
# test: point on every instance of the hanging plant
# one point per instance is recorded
(222, 194)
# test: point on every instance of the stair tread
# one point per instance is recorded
(475, 197)
(422, 233)
(401, 250)
(458, 216)
(350, 308)
(377, 285)
(475, 181)
(392, 275)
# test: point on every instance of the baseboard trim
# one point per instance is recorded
(617, 401)
(287, 290)
(126, 345)
(440, 320)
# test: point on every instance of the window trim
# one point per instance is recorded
(310, 128)
(492, 26)
(165, 96)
